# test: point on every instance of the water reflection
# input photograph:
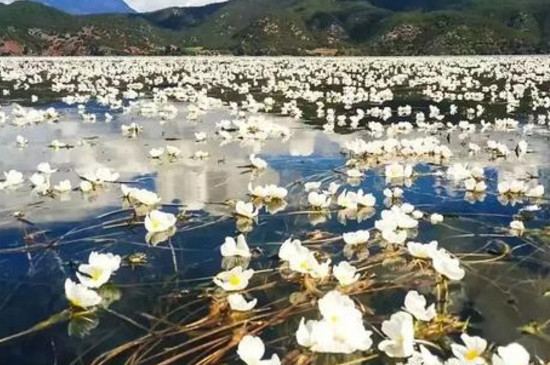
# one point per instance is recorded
(497, 298)
(185, 181)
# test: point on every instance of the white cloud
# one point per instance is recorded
(151, 5)
(148, 5)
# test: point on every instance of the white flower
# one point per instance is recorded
(21, 141)
(415, 304)
(311, 333)
(447, 266)
(478, 173)
(472, 351)
(251, 350)
(13, 178)
(332, 188)
(347, 200)
(396, 193)
(400, 332)
(512, 187)
(436, 218)
(536, 192)
(398, 171)
(312, 185)
(104, 174)
(131, 129)
(40, 183)
(291, 248)
(145, 197)
(394, 223)
(513, 354)
(503, 187)
(38, 180)
(365, 200)
(336, 307)
(268, 192)
(80, 296)
(233, 280)
(518, 187)
(274, 192)
(238, 303)
(200, 137)
(531, 208)
(246, 210)
(474, 148)
(86, 186)
(354, 173)
(387, 223)
(258, 191)
(257, 162)
(55, 144)
(345, 273)
(157, 221)
(318, 200)
(474, 186)
(235, 248)
(417, 214)
(341, 329)
(101, 175)
(517, 226)
(98, 270)
(306, 263)
(45, 168)
(394, 237)
(459, 172)
(356, 238)
(302, 260)
(156, 152)
(173, 151)
(141, 196)
(406, 208)
(521, 147)
(322, 336)
(425, 357)
(421, 250)
(63, 186)
(225, 136)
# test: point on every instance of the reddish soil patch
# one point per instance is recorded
(11, 47)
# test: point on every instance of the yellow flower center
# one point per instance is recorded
(155, 224)
(334, 319)
(304, 265)
(96, 273)
(472, 355)
(234, 280)
(76, 302)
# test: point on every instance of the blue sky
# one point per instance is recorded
(149, 5)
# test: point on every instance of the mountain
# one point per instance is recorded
(179, 19)
(28, 28)
(80, 7)
(295, 27)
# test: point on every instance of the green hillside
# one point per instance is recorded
(300, 27)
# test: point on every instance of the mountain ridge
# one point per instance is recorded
(294, 27)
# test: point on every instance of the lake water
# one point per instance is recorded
(162, 297)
